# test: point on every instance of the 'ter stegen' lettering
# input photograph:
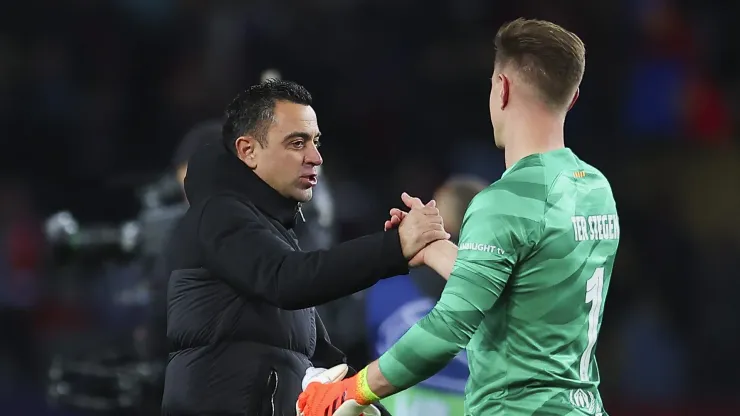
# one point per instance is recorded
(595, 227)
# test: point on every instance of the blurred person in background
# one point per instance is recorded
(241, 295)
(395, 305)
(200, 133)
(153, 334)
(319, 231)
(21, 256)
(156, 332)
(527, 283)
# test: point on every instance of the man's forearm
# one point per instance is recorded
(377, 382)
(440, 256)
(349, 267)
(298, 280)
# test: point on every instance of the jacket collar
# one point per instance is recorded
(213, 169)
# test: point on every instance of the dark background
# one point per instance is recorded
(96, 94)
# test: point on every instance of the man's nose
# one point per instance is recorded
(313, 156)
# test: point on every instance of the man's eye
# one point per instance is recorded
(298, 144)
(317, 143)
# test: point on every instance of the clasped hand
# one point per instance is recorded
(417, 228)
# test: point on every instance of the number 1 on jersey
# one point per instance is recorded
(594, 296)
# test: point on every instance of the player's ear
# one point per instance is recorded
(504, 92)
(246, 149)
(575, 98)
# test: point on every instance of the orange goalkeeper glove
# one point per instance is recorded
(348, 397)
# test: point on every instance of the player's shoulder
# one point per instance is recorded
(595, 172)
(521, 192)
(579, 173)
(562, 167)
(525, 179)
(530, 169)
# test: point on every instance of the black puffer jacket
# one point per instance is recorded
(240, 321)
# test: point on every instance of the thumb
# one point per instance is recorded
(431, 203)
(411, 202)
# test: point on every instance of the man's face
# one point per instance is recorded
(289, 160)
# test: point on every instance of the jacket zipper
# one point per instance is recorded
(274, 392)
(299, 211)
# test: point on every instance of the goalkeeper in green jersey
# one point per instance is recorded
(527, 283)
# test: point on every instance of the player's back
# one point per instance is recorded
(534, 353)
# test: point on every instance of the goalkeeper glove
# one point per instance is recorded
(325, 392)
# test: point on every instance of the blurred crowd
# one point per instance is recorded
(95, 96)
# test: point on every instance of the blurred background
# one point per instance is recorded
(97, 95)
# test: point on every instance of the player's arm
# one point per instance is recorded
(473, 287)
(491, 239)
(434, 341)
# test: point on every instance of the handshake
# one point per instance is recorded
(417, 228)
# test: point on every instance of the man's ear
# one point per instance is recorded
(575, 98)
(504, 93)
(246, 149)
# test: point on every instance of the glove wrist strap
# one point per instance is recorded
(365, 395)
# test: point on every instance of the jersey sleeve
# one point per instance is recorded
(499, 227)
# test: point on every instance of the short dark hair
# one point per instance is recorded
(550, 58)
(252, 111)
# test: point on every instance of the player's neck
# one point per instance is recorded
(535, 133)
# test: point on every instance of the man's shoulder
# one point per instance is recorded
(226, 204)
(522, 186)
(526, 178)
(514, 206)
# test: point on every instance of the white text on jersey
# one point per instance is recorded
(596, 227)
(488, 248)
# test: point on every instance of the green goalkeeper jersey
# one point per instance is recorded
(526, 295)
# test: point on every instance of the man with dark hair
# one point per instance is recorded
(529, 276)
(253, 110)
(241, 320)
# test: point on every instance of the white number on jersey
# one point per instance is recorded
(594, 296)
